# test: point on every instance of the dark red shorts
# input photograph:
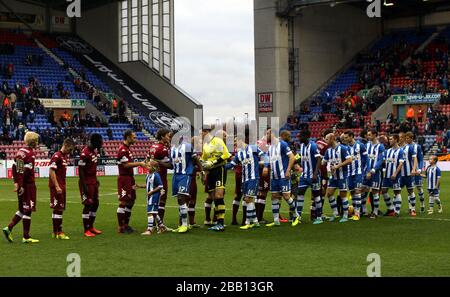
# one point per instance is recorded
(264, 184)
(125, 185)
(28, 199)
(58, 201)
(91, 195)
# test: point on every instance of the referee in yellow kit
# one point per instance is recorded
(214, 157)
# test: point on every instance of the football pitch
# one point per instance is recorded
(407, 246)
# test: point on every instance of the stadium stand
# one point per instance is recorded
(28, 72)
(390, 66)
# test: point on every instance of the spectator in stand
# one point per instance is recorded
(410, 114)
(6, 103)
(114, 105)
(420, 114)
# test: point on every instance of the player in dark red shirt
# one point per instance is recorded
(322, 146)
(57, 185)
(88, 183)
(24, 185)
(160, 152)
(126, 184)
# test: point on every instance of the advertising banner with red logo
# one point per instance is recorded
(265, 102)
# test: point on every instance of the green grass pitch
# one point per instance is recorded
(407, 246)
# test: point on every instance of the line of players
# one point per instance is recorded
(357, 169)
(354, 166)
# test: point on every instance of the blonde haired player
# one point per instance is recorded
(24, 185)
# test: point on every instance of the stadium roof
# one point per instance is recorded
(393, 9)
(62, 4)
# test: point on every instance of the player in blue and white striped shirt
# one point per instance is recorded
(433, 175)
(281, 160)
(356, 169)
(418, 181)
(310, 163)
(409, 170)
(249, 156)
(393, 158)
(182, 160)
(155, 188)
(338, 158)
(373, 178)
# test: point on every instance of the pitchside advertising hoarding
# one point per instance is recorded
(63, 103)
(416, 98)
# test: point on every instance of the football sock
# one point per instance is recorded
(127, 215)
(251, 214)
(191, 214)
(162, 210)
(412, 201)
(26, 220)
(376, 203)
(438, 201)
(333, 205)
(300, 204)
(364, 202)
(357, 203)
(151, 222)
(276, 210)
(312, 208)
(345, 207)
(421, 197)
(398, 203)
(57, 221)
(244, 211)
(318, 206)
(183, 214)
(93, 214)
(220, 205)
(388, 202)
(15, 220)
(260, 206)
(120, 216)
(208, 211)
(431, 202)
(291, 204)
(159, 220)
(85, 217)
